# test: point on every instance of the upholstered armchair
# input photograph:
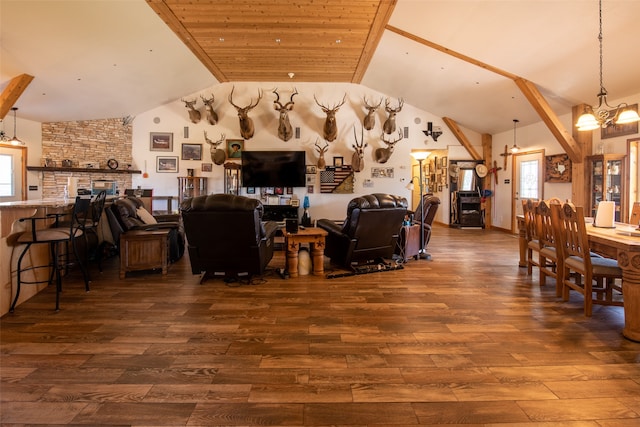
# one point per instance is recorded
(129, 214)
(369, 232)
(226, 235)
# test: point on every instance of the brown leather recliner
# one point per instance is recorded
(226, 235)
(409, 244)
(370, 231)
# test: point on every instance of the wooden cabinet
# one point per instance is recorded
(144, 250)
(469, 209)
(232, 178)
(191, 186)
(607, 182)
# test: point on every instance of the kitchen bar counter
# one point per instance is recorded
(10, 228)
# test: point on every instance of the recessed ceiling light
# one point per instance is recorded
(338, 41)
(278, 40)
(221, 39)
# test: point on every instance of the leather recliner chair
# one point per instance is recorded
(370, 231)
(409, 244)
(123, 216)
(226, 235)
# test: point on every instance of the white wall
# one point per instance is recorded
(536, 137)
(173, 117)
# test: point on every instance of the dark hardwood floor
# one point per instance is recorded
(465, 339)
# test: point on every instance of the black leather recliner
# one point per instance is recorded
(226, 235)
(370, 231)
(123, 216)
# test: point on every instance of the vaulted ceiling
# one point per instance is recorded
(456, 59)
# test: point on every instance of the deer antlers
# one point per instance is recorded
(370, 119)
(330, 130)
(246, 124)
(383, 154)
(212, 116)
(285, 132)
(194, 114)
(389, 125)
(321, 150)
(357, 160)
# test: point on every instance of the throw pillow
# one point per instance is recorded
(145, 216)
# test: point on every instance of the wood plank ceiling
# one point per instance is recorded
(265, 40)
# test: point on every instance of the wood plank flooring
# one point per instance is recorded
(465, 339)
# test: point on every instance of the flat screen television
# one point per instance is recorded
(273, 168)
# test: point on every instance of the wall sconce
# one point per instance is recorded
(433, 131)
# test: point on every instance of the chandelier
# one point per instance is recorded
(3, 136)
(604, 114)
(514, 147)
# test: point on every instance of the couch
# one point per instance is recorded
(226, 235)
(369, 231)
(128, 213)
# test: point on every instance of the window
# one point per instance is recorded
(6, 176)
(529, 179)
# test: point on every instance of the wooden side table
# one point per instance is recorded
(315, 237)
(144, 250)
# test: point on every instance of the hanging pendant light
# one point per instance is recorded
(600, 116)
(15, 140)
(515, 148)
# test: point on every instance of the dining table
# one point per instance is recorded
(622, 243)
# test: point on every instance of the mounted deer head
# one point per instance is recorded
(330, 130)
(285, 132)
(370, 119)
(383, 154)
(218, 156)
(321, 150)
(212, 116)
(194, 114)
(389, 125)
(357, 160)
(246, 124)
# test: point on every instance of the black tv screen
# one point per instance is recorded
(273, 169)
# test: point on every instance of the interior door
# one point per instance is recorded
(12, 173)
(528, 180)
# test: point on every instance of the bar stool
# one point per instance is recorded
(54, 237)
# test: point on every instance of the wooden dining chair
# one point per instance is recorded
(529, 207)
(548, 254)
(589, 274)
(635, 214)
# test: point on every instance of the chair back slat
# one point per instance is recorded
(572, 232)
(529, 207)
(546, 232)
(635, 214)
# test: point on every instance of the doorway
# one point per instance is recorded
(528, 180)
(13, 173)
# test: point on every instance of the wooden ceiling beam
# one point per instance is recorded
(12, 92)
(537, 101)
(385, 9)
(461, 137)
(166, 14)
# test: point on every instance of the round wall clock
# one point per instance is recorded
(112, 163)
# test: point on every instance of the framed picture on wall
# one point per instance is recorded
(167, 164)
(160, 141)
(234, 148)
(191, 151)
(613, 130)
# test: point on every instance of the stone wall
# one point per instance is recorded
(81, 142)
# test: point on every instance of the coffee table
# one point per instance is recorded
(316, 238)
